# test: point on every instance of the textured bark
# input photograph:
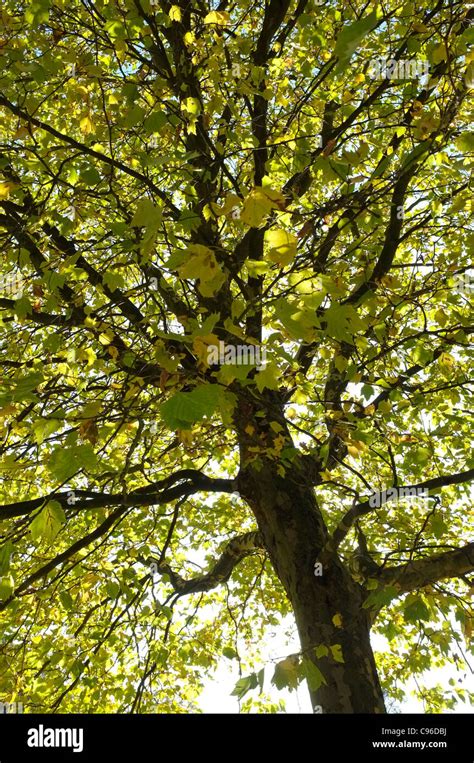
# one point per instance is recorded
(294, 534)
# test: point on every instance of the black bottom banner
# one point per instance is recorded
(101, 738)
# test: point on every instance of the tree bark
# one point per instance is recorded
(327, 608)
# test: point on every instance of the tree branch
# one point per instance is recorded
(178, 485)
(423, 572)
(235, 550)
(365, 507)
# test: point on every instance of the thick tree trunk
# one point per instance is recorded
(328, 608)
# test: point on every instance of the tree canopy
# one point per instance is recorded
(280, 175)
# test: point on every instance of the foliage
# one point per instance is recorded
(172, 176)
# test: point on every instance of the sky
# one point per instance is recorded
(216, 697)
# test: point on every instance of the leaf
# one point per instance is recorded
(43, 428)
(381, 597)
(281, 246)
(201, 263)
(23, 307)
(7, 586)
(221, 18)
(185, 408)
(257, 268)
(26, 385)
(350, 37)
(175, 13)
(146, 214)
(47, 524)
(90, 176)
(66, 600)
(268, 378)
(342, 321)
(416, 610)
(155, 121)
(113, 589)
(312, 674)
(256, 206)
(192, 106)
(245, 684)
(286, 674)
(6, 551)
(64, 462)
(86, 125)
(7, 188)
(230, 653)
(336, 651)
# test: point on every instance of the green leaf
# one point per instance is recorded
(381, 597)
(351, 36)
(416, 610)
(155, 121)
(341, 321)
(7, 586)
(185, 408)
(244, 684)
(146, 214)
(47, 524)
(268, 378)
(90, 176)
(44, 428)
(312, 674)
(64, 462)
(66, 600)
(230, 653)
(6, 551)
(113, 589)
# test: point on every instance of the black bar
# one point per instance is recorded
(308, 737)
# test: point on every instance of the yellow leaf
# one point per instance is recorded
(113, 351)
(217, 17)
(22, 132)
(175, 13)
(5, 189)
(185, 436)
(86, 125)
(337, 620)
(268, 377)
(336, 652)
(192, 106)
(256, 207)
(201, 345)
(281, 246)
(326, 475)
(230, 202)
(89, 355)
(353, 450)
(202, 264)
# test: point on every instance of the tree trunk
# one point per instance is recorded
(328, 608)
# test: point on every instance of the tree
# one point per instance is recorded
(178, 179)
